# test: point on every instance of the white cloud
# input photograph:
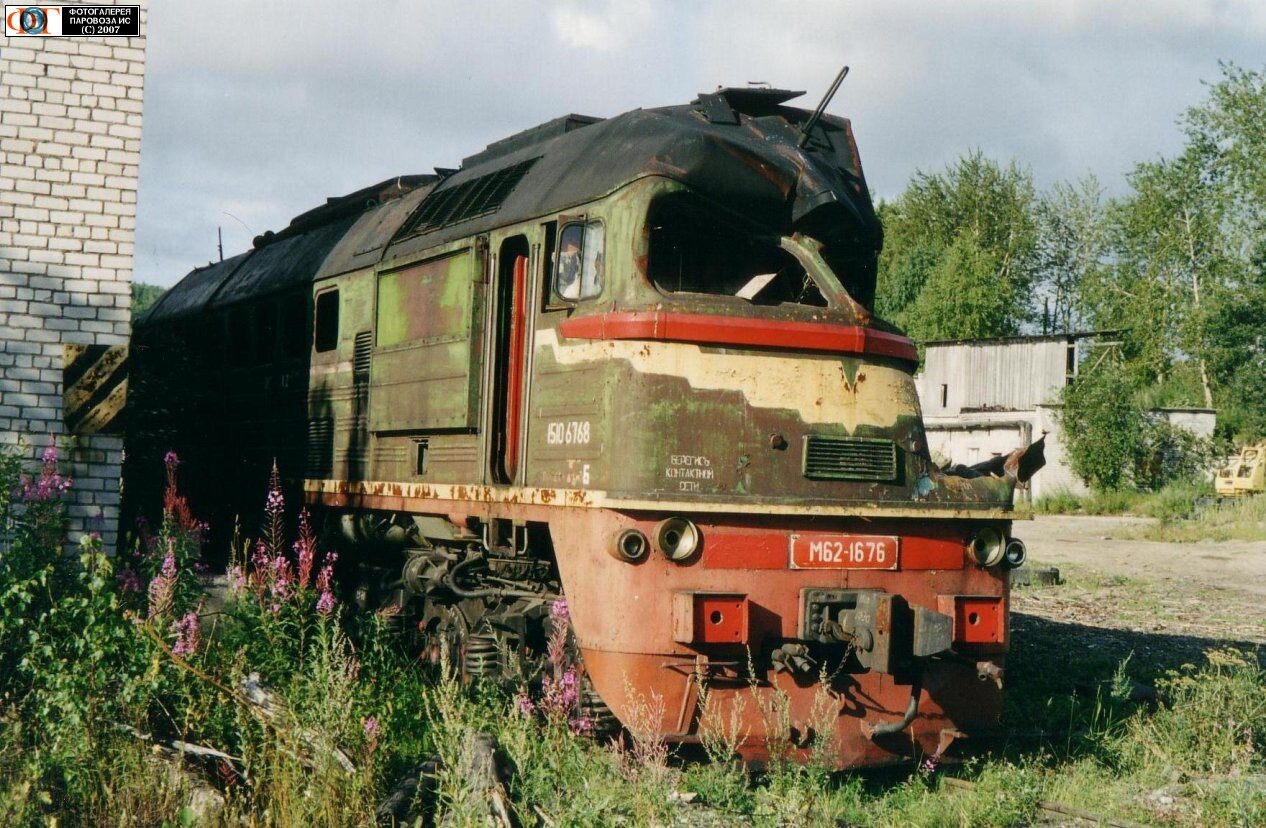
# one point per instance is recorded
(604, 26)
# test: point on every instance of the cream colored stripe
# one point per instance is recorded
(814, 387)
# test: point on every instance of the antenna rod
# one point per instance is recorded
(817, 113)
(219, 232)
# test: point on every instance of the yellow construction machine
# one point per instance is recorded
(1244, 476)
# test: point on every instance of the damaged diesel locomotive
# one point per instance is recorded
(630, 361)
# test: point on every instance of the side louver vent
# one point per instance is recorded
(361, 355)
(850, 458)
(320, 447)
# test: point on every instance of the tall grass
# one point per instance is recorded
(106, 663)
(1241, 519)
(1174, 501)
(1111, 502)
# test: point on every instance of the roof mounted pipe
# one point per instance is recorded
(817, 113)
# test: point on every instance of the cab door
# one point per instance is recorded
(509, 357)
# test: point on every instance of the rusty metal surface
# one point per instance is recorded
(191, 294)
(285, 263)
(290, 258)
(429, 497)
(633, 637)
(363, 244)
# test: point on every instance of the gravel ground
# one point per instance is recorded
(1148, 597)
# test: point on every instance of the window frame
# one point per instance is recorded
(317, 340)
(556, 299)
(741, 226)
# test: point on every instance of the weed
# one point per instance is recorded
(1242, 519)
(98, 667)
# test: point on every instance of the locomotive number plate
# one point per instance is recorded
(823, 551)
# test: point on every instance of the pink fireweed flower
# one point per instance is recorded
(523, 704)
(50, 485)
(171, 460)
(260, 569)
(163, 586)
(325, 578)
(305, 550)
(370, 726)
(188, 635)
(559, 610)
(274, 515)
(127, 580)
(236, 578)
(580, 725)
(282, 579)
(325, 604)
(559, 698)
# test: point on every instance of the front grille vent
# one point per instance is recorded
(850, 458)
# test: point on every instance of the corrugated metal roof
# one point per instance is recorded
(283, 264)
(193, 292)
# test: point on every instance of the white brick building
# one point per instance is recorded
(70, 140)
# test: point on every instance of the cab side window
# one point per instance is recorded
(325, 332)
(579, 268)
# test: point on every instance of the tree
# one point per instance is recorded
(1237, 352)
(1101, 426)
(962, 297)
(970, 226)
(1072, 248)
(1181, 280)
(144, 295)
(1230, 130)
(1170, 256)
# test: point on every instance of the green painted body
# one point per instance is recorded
(664, 421)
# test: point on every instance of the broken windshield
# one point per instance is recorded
(696, 248)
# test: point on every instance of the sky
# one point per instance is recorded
(256, 112)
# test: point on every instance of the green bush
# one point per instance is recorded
(1168, 454)
(1101, 426)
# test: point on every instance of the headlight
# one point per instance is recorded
(1017, 553)
(677, 538)
(987, 547)
(630, 546)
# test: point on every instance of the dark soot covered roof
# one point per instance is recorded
(739, 147)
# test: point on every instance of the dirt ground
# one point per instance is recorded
(1181, 595)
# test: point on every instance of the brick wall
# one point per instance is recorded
(70, 141)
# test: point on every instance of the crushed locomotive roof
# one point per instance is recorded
(737, 146)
